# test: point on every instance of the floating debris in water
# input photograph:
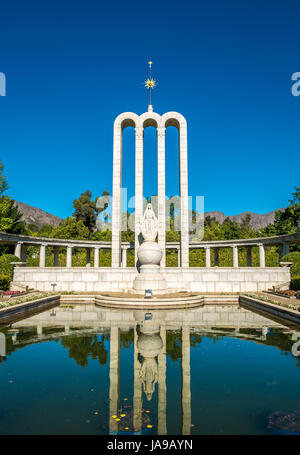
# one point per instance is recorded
(285, 421)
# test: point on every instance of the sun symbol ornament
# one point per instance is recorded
(150, 84)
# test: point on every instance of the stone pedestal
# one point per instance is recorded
(149, 277)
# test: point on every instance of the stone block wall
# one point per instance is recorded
(211, 279)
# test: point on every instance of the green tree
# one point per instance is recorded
(3, 181)
(287, 221)
(46, 230)
(85, 210)
(71, 229)
(10, 217)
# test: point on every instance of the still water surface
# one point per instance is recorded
(83, 369)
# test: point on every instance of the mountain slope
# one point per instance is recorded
(34, 215)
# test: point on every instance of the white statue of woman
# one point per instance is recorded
(149, 224)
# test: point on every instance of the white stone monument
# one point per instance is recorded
(140, 123)
(149, 254)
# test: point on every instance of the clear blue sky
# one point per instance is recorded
(73, 66)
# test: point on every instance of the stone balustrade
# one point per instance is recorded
(21, 242)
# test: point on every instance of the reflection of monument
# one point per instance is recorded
(82, 322)
(149, 254)
(2, 345)
(150, 345)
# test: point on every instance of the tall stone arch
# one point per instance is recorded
(177, 120)
(140, 123)
(121, 122)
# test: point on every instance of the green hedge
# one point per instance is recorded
(4, 282)
(295, 258)
(5, 265)
(295, 283)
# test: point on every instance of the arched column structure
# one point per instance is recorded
(122, 121)
(177, 120)
(140, 123)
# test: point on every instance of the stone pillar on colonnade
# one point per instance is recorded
(262, 257)
(96, 256)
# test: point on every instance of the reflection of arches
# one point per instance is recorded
(2, 345)
(140, 123)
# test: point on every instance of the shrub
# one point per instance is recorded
(295, 283)
(295, 258)
(6, 268)
(4, 282)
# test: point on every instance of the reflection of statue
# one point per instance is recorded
(149, 346)
(149, 376)
(149, 224)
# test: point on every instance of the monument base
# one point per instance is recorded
(149, 278)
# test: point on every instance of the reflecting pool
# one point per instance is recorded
(83, 369)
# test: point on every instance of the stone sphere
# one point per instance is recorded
(149, 345)
(149, 253)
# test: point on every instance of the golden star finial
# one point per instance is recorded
(150, 83)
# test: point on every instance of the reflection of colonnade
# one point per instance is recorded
(149, 368)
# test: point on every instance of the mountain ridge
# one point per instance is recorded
(39, 217)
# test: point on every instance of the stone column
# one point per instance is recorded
(249, 256)
(24, 253)
(43, 255)
(286, 248)
(39, 329)
(262, 259)
(216, 253)
(56, 256)
(235, 255)
(207, 257)
(139, 186)
(161, 181)
(114, 377)
(18, 250)
(186, 381)
(280, 251)
(96, 256)
(124, 257)
(88, 257)
(116, 204)
(137, 389)
(162, 387)
(178, 256)
(69, 256)
(184, 202)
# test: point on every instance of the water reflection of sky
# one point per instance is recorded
(82, 369)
